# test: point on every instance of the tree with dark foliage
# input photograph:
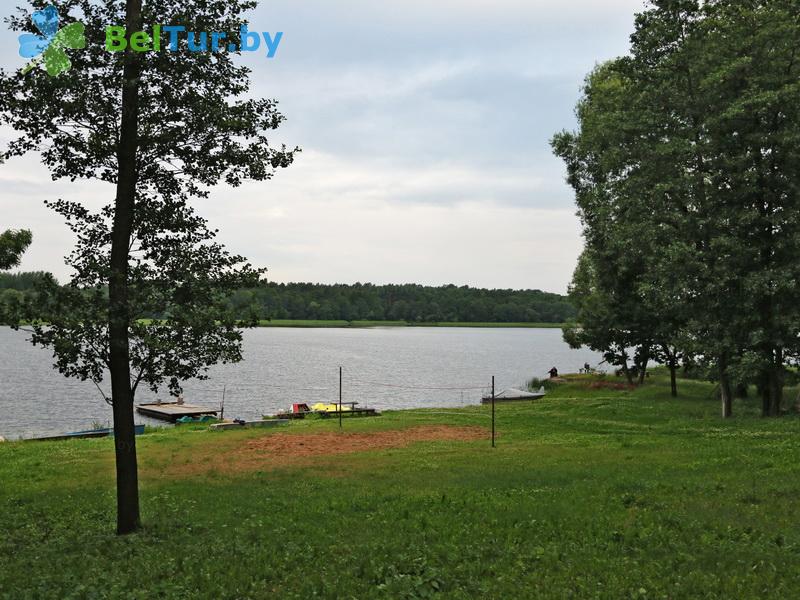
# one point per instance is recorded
(161, 128)
(686, 159)
(13, 244)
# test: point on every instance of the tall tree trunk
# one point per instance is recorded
(725, 389)
(625, 369)
(642, 364)
(672, 363)
(775, 384)
(128, 519)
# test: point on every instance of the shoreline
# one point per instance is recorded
(341, 324)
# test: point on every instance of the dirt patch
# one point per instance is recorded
(316, 444)
(290, 449)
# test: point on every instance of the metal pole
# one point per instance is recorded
(340, 397)
(493, 411)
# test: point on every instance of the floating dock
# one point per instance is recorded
(172, 411)
(354, 412)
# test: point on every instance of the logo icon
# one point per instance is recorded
(50, 47)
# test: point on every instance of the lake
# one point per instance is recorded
(384, 367)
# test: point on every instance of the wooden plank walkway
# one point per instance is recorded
(172, 411)
(356, 412)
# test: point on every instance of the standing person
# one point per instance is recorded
(553, 373)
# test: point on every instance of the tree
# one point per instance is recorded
(162, 128)
(686, 157)
(721, 78)
(622, 240)
(13, 244)
(600, 326)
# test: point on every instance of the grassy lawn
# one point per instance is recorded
(312, 323)
(590, 493)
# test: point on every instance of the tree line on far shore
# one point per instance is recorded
(686, 169)
(406, 302)
(365, 302)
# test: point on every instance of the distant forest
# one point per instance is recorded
(409, 302)
(367, 302)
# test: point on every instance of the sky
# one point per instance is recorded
(424, 129)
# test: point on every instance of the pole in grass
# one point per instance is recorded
(493, 411)
(340, 397)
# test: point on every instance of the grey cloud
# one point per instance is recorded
(425, 128)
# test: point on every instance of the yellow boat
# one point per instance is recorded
(326, 407)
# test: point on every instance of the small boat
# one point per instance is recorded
(328, 407)
(87, 434)
(299, 411)
(201, 419)
(514, 395)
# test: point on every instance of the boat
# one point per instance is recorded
(329, 407)
(514, 395)
(86, 434)
(299, 411)
(201, 419)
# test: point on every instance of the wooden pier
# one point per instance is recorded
(353, 412)
(172, 411)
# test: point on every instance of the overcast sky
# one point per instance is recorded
(424, 127)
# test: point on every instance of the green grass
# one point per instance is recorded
(589, 494)
(318, 323)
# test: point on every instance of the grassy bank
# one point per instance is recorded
(310, 323)
(591, 493)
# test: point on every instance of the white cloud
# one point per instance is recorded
(425, 129)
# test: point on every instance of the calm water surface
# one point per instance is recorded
(383, 367)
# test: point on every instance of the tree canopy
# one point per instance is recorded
(162, 128)
(406, 302)
(685, 171)
(13, 244)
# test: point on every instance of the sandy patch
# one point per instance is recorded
(282, 445)
(289, 449)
